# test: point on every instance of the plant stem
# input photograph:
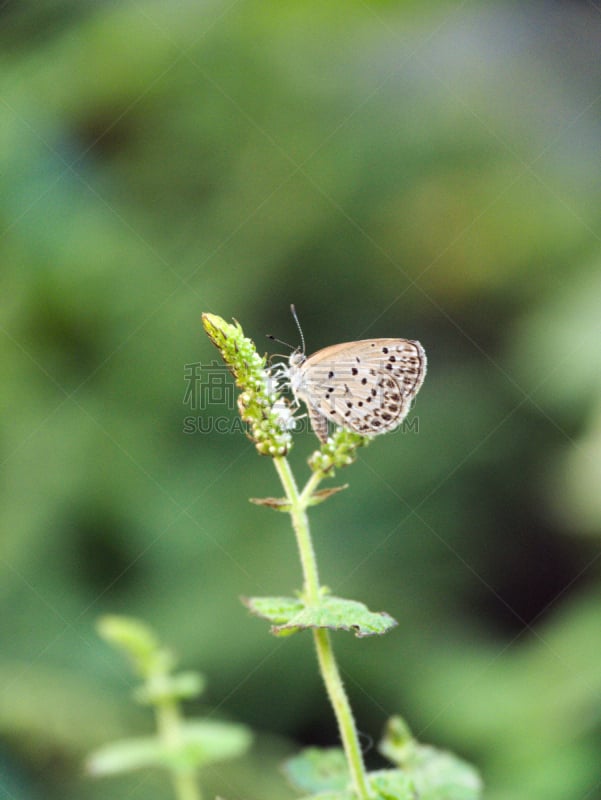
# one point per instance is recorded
(325, 654)
(169, 722)
(300, 523)
(342, 710)
(310, 487)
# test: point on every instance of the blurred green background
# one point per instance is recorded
(431, 171)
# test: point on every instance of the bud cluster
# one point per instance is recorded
(259, 404)
(340, 450)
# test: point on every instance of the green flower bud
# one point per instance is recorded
(340, 450)
(268, 415)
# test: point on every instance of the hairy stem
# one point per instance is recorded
(183, 779)
(300, 523)
(325, 654)
(342, 710)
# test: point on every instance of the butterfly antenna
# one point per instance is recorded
(300, 330)
(279, 341)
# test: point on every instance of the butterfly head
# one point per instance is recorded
(297, 359)
(293, 373)
(298, 356)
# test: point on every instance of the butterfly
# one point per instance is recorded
(365, 386)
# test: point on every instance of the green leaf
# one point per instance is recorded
(137, 641)
(318, 770)
(398, 743)
(442, 776)
(276, 610)
(393, 784)
(128, 634)
(125, 755)
(182, 686)
(437, 774)
(202, 742)
(288, 614)
(348, 795)
(206, 741)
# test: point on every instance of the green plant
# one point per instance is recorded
(420, 772)
(180, 746)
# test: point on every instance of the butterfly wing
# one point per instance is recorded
(366, 386)
(319, 424)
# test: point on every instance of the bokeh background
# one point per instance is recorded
(427, 170)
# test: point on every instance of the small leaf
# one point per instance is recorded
(206, 741)
(274, 609)
(186, 685)
(339, 614)
(347, 795)
(130, 635)
(137, 641)
(283, 504)
(318, 770)
(125, 755)
(182, 686)
(398, 743)
(202, 742)
(437, 774)
(442, 776)
(390, 784)
(324, 494)
(277, 503)
(393, 784)
(289, 613)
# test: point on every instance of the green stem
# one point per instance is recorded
(325, 654)
(169, 725)
(342, 710)
(310, 487)
(300, 523)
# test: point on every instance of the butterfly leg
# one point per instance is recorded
(319, 424)
(277, 377)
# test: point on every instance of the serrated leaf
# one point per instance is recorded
(277, 503)
(339, 614)
(437, 774)
(202, 742)
(290, 613)
(276, 610)
(317, 770)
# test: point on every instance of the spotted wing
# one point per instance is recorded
(366, 386)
